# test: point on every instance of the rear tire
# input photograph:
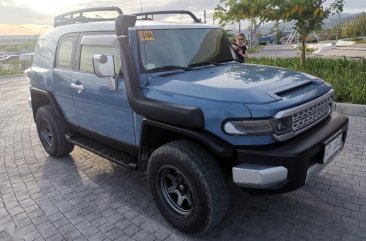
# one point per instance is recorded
(51, 131)
(188, 186)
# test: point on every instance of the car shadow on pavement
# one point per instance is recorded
(88, 188)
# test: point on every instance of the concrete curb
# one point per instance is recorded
(351, 109)
(350, 48)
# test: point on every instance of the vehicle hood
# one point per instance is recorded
(245, 83)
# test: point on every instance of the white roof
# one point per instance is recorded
(110, 26)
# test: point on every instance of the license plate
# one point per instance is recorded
(333, 147)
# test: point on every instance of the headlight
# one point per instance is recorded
(258, 127)
(244, 127)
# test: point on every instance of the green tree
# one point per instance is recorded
(308, 15)
(361, 22)
(277, 32)
(230, 35)
(354, 28)
(234, 11)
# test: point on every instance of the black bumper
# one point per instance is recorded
(296, 154)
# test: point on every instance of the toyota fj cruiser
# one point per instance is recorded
(174, 97)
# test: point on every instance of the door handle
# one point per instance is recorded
(78, 87)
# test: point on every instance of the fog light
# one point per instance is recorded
(282, 125)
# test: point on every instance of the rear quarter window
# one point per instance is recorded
(65, 52)
(48, 54)
(38, 52)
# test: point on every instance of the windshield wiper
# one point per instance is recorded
(203, 63)
(168, 67)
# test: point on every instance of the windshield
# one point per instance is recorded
(182, 47)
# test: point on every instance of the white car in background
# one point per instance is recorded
(26, 56)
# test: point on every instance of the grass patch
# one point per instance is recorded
(348, 77)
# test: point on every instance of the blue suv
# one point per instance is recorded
(172, 100)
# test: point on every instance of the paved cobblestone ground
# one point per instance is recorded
(85, 197)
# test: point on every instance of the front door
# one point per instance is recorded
(99, 108)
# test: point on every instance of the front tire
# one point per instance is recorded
(51, 131)
(188, 186)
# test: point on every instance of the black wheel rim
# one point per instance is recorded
(176, 191)
(46, 132)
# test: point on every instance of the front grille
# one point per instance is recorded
(311, 114)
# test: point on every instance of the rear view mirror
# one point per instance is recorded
(104, 65)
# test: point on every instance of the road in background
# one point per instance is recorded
(273, 51)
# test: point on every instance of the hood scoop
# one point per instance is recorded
(293, 90)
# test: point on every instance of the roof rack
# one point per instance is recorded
(78, 17)
(146, 14)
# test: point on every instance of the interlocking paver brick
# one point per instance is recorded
(116, 217)
(162, 234)
(40, 220)
(124, 223)
(73, 235)
(23, 231)
(35, 214)
(33, 236)
(130, 214)
(124, 237)
(90, 231)
(61, 222)
(56, 237)
(139, 220)
(46, 233)
(350, 237)
(107, 227)
(44, 226)
(175, 237)
(143, 236)
(131, 230)
(93, 216)
(114, 233)
(67, 229)
(83, 225)
(150, 226)
(5, 221)
(98, 237)
(100, 221)
(22, 223)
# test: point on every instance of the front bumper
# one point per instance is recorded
(286, 166)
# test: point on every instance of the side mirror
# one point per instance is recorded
(103, 65)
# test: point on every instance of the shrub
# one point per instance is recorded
(14, 67)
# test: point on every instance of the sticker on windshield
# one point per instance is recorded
(146, 35)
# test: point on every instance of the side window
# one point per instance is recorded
(87, 52)
(65, 52)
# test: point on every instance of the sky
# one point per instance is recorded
(33, 17)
